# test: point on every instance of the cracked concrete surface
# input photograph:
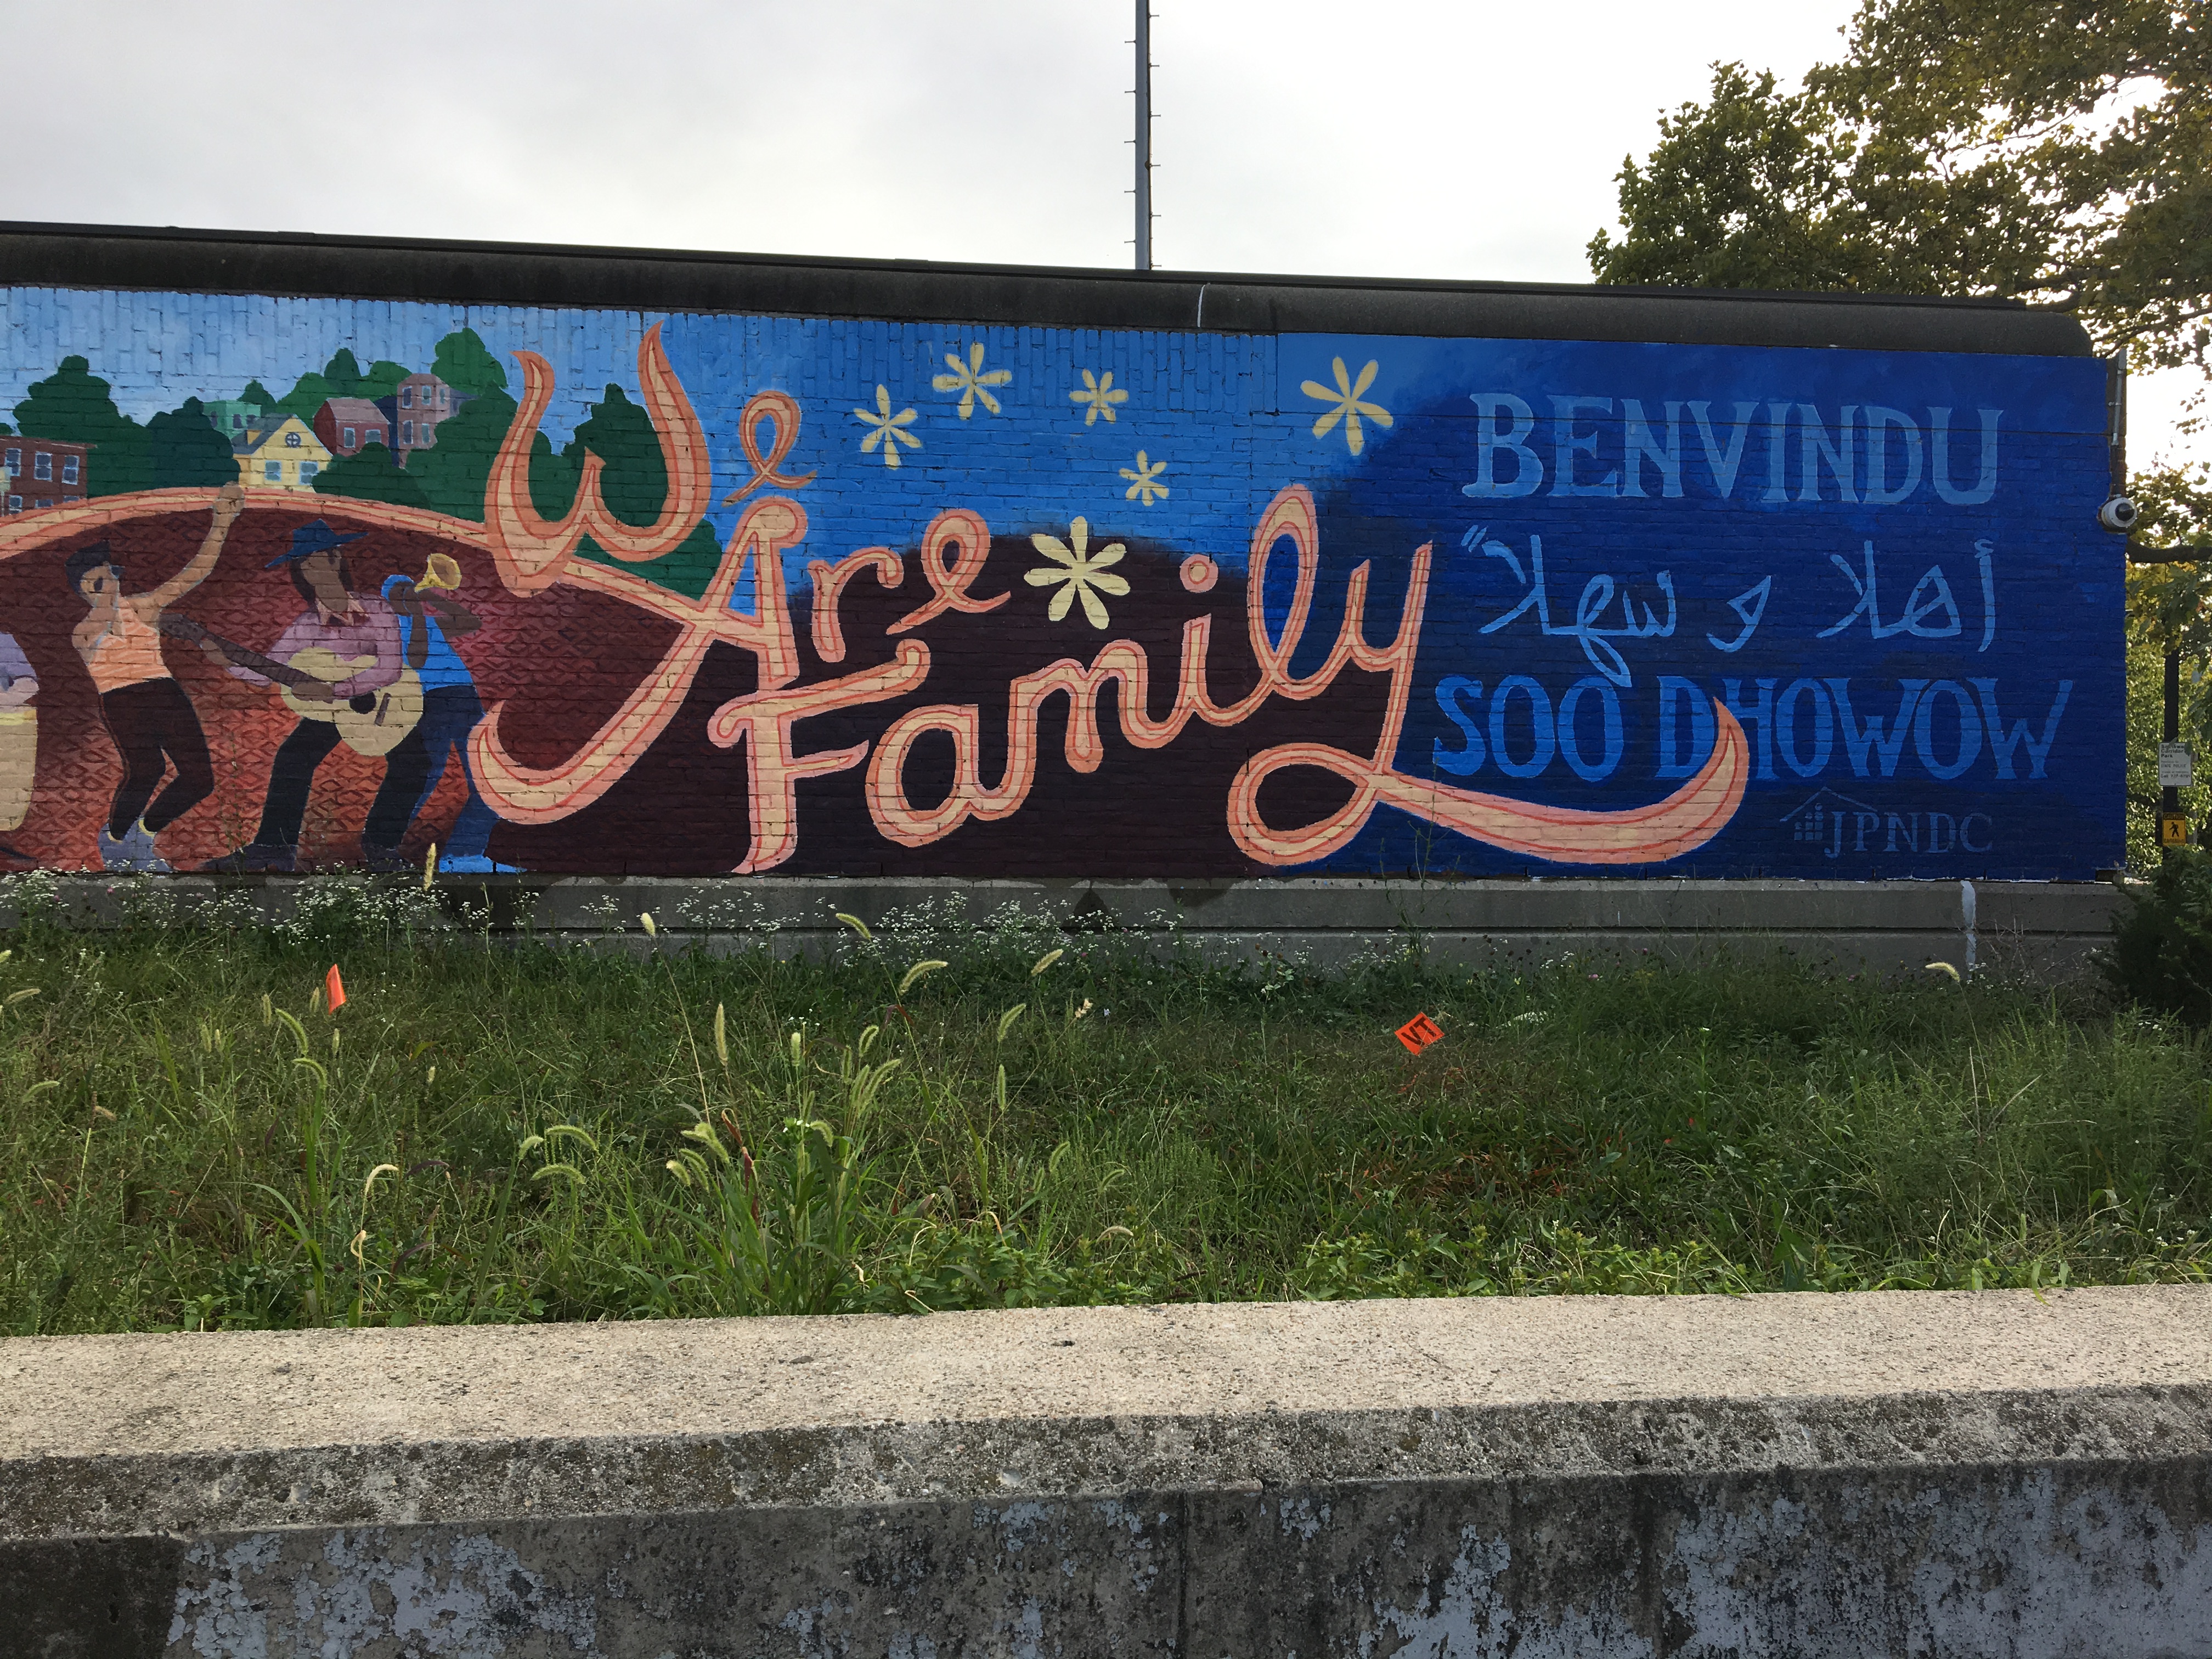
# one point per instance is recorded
(1915, 1472)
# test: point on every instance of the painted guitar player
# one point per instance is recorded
(341, 656)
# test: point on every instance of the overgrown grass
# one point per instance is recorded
(584, 1131)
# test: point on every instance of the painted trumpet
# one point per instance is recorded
(442, 570)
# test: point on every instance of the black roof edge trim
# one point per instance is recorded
(657, 279)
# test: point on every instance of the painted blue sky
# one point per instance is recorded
(156, 349)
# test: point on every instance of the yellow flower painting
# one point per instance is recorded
(970, 381)
(1145, 485)
(1078, 572)
(890, 430)
(1100, 393)
(1349, 398)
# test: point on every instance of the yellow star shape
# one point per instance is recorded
(1079, 570)
(969, 380)
(1145, 484)
(1349, 407)
(890, 430)
(1101, 393)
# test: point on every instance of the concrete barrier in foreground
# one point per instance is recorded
(1810, 1475)
(2041, 929)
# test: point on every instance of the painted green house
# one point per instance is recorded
(232, 415)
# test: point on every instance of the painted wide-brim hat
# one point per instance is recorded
(316, 537)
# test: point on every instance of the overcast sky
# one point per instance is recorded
(1392, 137)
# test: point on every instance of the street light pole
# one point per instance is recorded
(1144, 135)
(2169, 798)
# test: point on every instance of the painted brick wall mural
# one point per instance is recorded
(302, 582)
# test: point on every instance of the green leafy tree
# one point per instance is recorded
(343, 373)
(382, 380)
(1960, 147)
(1742, 192)
(452, 475)
(369, 475)
(259, 395)
(72, 405)
(2169, 609)
(635, 484)
(183, 450)
(464, 363)
(343, 377)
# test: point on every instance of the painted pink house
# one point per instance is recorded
(345, 424)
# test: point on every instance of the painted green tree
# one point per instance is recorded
(2054, 151)
(73, 405)
(634, 486)
(184, 451)
(369, 474)
(620, 433)
(381, 381)
(342, 372)
(453, 474)
(450, 476)
(343, 377)
(175, 449)
(308, 394)
(464, 362)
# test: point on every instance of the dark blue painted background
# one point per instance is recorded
(1913, 811)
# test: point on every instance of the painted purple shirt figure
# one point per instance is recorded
(14, 664)
(361, 632)
(368, 629)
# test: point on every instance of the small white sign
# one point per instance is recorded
(2175, 769)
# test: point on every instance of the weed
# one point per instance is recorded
(950, 1116)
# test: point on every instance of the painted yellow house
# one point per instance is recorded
(279, 450)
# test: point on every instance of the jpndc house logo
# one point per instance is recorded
(1839, 825)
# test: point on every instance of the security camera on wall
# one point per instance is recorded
(2119, 514)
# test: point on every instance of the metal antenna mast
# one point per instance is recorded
(1144, 135)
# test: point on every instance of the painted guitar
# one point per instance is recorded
(372, 723)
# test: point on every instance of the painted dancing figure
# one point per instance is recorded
(152, 722)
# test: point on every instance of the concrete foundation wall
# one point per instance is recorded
(2031, 928)
(2001, 1474)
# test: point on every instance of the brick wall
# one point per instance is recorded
(747, 592)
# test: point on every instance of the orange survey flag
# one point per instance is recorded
(1417, 1033)
(336, 988)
